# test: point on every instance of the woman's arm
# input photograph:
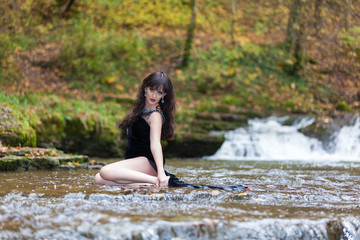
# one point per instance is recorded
(155, 122)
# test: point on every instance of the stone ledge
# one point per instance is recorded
(12, 159)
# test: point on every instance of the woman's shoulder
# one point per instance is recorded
(147, 114)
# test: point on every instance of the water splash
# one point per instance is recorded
(270, 139)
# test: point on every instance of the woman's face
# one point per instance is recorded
(153, 96)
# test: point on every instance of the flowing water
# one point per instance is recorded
(271, 139)
(293, 198)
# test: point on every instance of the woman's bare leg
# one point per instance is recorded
(130, 171)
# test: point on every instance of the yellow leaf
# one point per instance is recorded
(110, 80)
(119, 87)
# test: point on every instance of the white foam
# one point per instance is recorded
(269, 139)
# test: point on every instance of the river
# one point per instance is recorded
(288, 200)
(308, 193)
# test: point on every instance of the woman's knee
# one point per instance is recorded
(98, 179)
(104, 171)
(108, 172)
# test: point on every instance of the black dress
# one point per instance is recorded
(138, 135)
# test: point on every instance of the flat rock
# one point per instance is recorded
(16, 158)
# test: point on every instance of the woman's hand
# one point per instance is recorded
(163, 180)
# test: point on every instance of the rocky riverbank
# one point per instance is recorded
(26, 158)
(92, 136)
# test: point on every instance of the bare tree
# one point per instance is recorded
(190, 35)
(64, 6)
(295, 35)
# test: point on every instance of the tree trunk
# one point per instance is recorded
(299, 50)
(293, 24)
(233, 22)
(348, 3)
(190, 35)
(64, 6)
(317, 16)
(295, 36)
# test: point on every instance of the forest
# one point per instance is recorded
(69, 69)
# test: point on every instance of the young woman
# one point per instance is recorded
(151, 120)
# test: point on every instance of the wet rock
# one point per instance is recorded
(319, 129)
(206, 126)
(13, 159)
(50, 132)
(14, 130)
(335, 230)
(199, 139)
(343, 229)
(10, 163)
(206, 229)
(86, 135)
(206, 122)
(193, 145)
(324, 127)
(241, 196)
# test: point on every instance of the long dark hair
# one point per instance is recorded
(155, 80)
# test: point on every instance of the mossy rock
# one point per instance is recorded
(324, 126)
(193, 145)
(343, 106)
(206, 122)
(10, 163)
(318, 129)
(83, 135)
(209, 125)
(46, 163)
(91, 137)
(14, 130)
(27, 158)
(65, 159)
(49, 132)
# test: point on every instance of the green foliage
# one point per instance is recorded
(108, 46)
(343, 106)
(93, 56)
(231, 100)
(260, 28)
(352, 41)
(129, 13)
(206, 106)
(34, 107)
(288, 105)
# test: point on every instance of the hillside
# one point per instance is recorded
(84, 59)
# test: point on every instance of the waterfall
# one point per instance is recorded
(271, 139)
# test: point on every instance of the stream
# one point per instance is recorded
(300, 188)
(287, 200)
